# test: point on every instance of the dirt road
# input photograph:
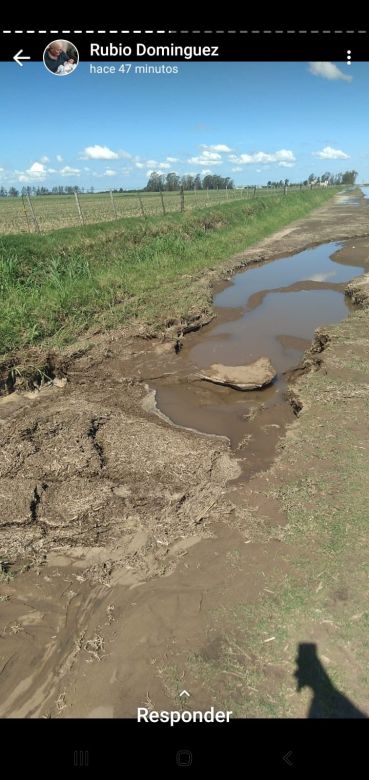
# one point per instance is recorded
(127, 537)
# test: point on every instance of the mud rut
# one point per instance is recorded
(121, 529)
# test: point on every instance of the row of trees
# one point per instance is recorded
(172, 182)
(348, 177)
(280, 183)
(14, 193)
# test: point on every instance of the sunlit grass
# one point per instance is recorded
(54, 286)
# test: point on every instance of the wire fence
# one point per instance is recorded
(40, 214)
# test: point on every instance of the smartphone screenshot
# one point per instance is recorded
(184, 387)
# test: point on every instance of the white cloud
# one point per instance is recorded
(36, 172)
(328, 70)
(328, 153)
(238, 168)
(206, 157)
(36, 168)
(217, 147)
(211, 155)
(204, 161)
(44, 159)
(155, 165)
(284, 164)
(59, 158)
(99, 153)
(67, 171)
(108, 172)
(206, 172)
(282, 155)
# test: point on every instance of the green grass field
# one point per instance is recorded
(51, 212)
(54, 287)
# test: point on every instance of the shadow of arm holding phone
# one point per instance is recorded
(327, 701)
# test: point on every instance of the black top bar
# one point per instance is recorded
(205, 46)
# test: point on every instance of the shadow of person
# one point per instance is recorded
(327, 701)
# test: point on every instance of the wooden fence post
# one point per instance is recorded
(35, 221)
(25, 211)
(162, 201)
(78, 207)
(254, 195)
(141, 205)
(181, 197)
(113, 204)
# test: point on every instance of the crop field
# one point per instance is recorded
(39, 214)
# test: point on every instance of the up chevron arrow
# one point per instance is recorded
(184, 693)
(17, 58)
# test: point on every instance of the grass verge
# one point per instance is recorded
(54, 287)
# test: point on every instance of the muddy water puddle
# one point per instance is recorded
(351, 197)
(268, 310)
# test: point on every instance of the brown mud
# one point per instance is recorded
(121, 532)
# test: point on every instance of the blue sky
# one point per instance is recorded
(251, 121)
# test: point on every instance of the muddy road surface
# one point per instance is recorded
(131, 495)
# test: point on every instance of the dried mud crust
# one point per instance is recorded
(82, 473)
(313, 359)
(358, 290)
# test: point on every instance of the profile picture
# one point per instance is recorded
(61, 58)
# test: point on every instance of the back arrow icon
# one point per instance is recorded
(17, 58)
(287, 758)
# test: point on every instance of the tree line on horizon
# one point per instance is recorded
(171, 182)
(157, 183)
(14, 193)
(349, 177)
